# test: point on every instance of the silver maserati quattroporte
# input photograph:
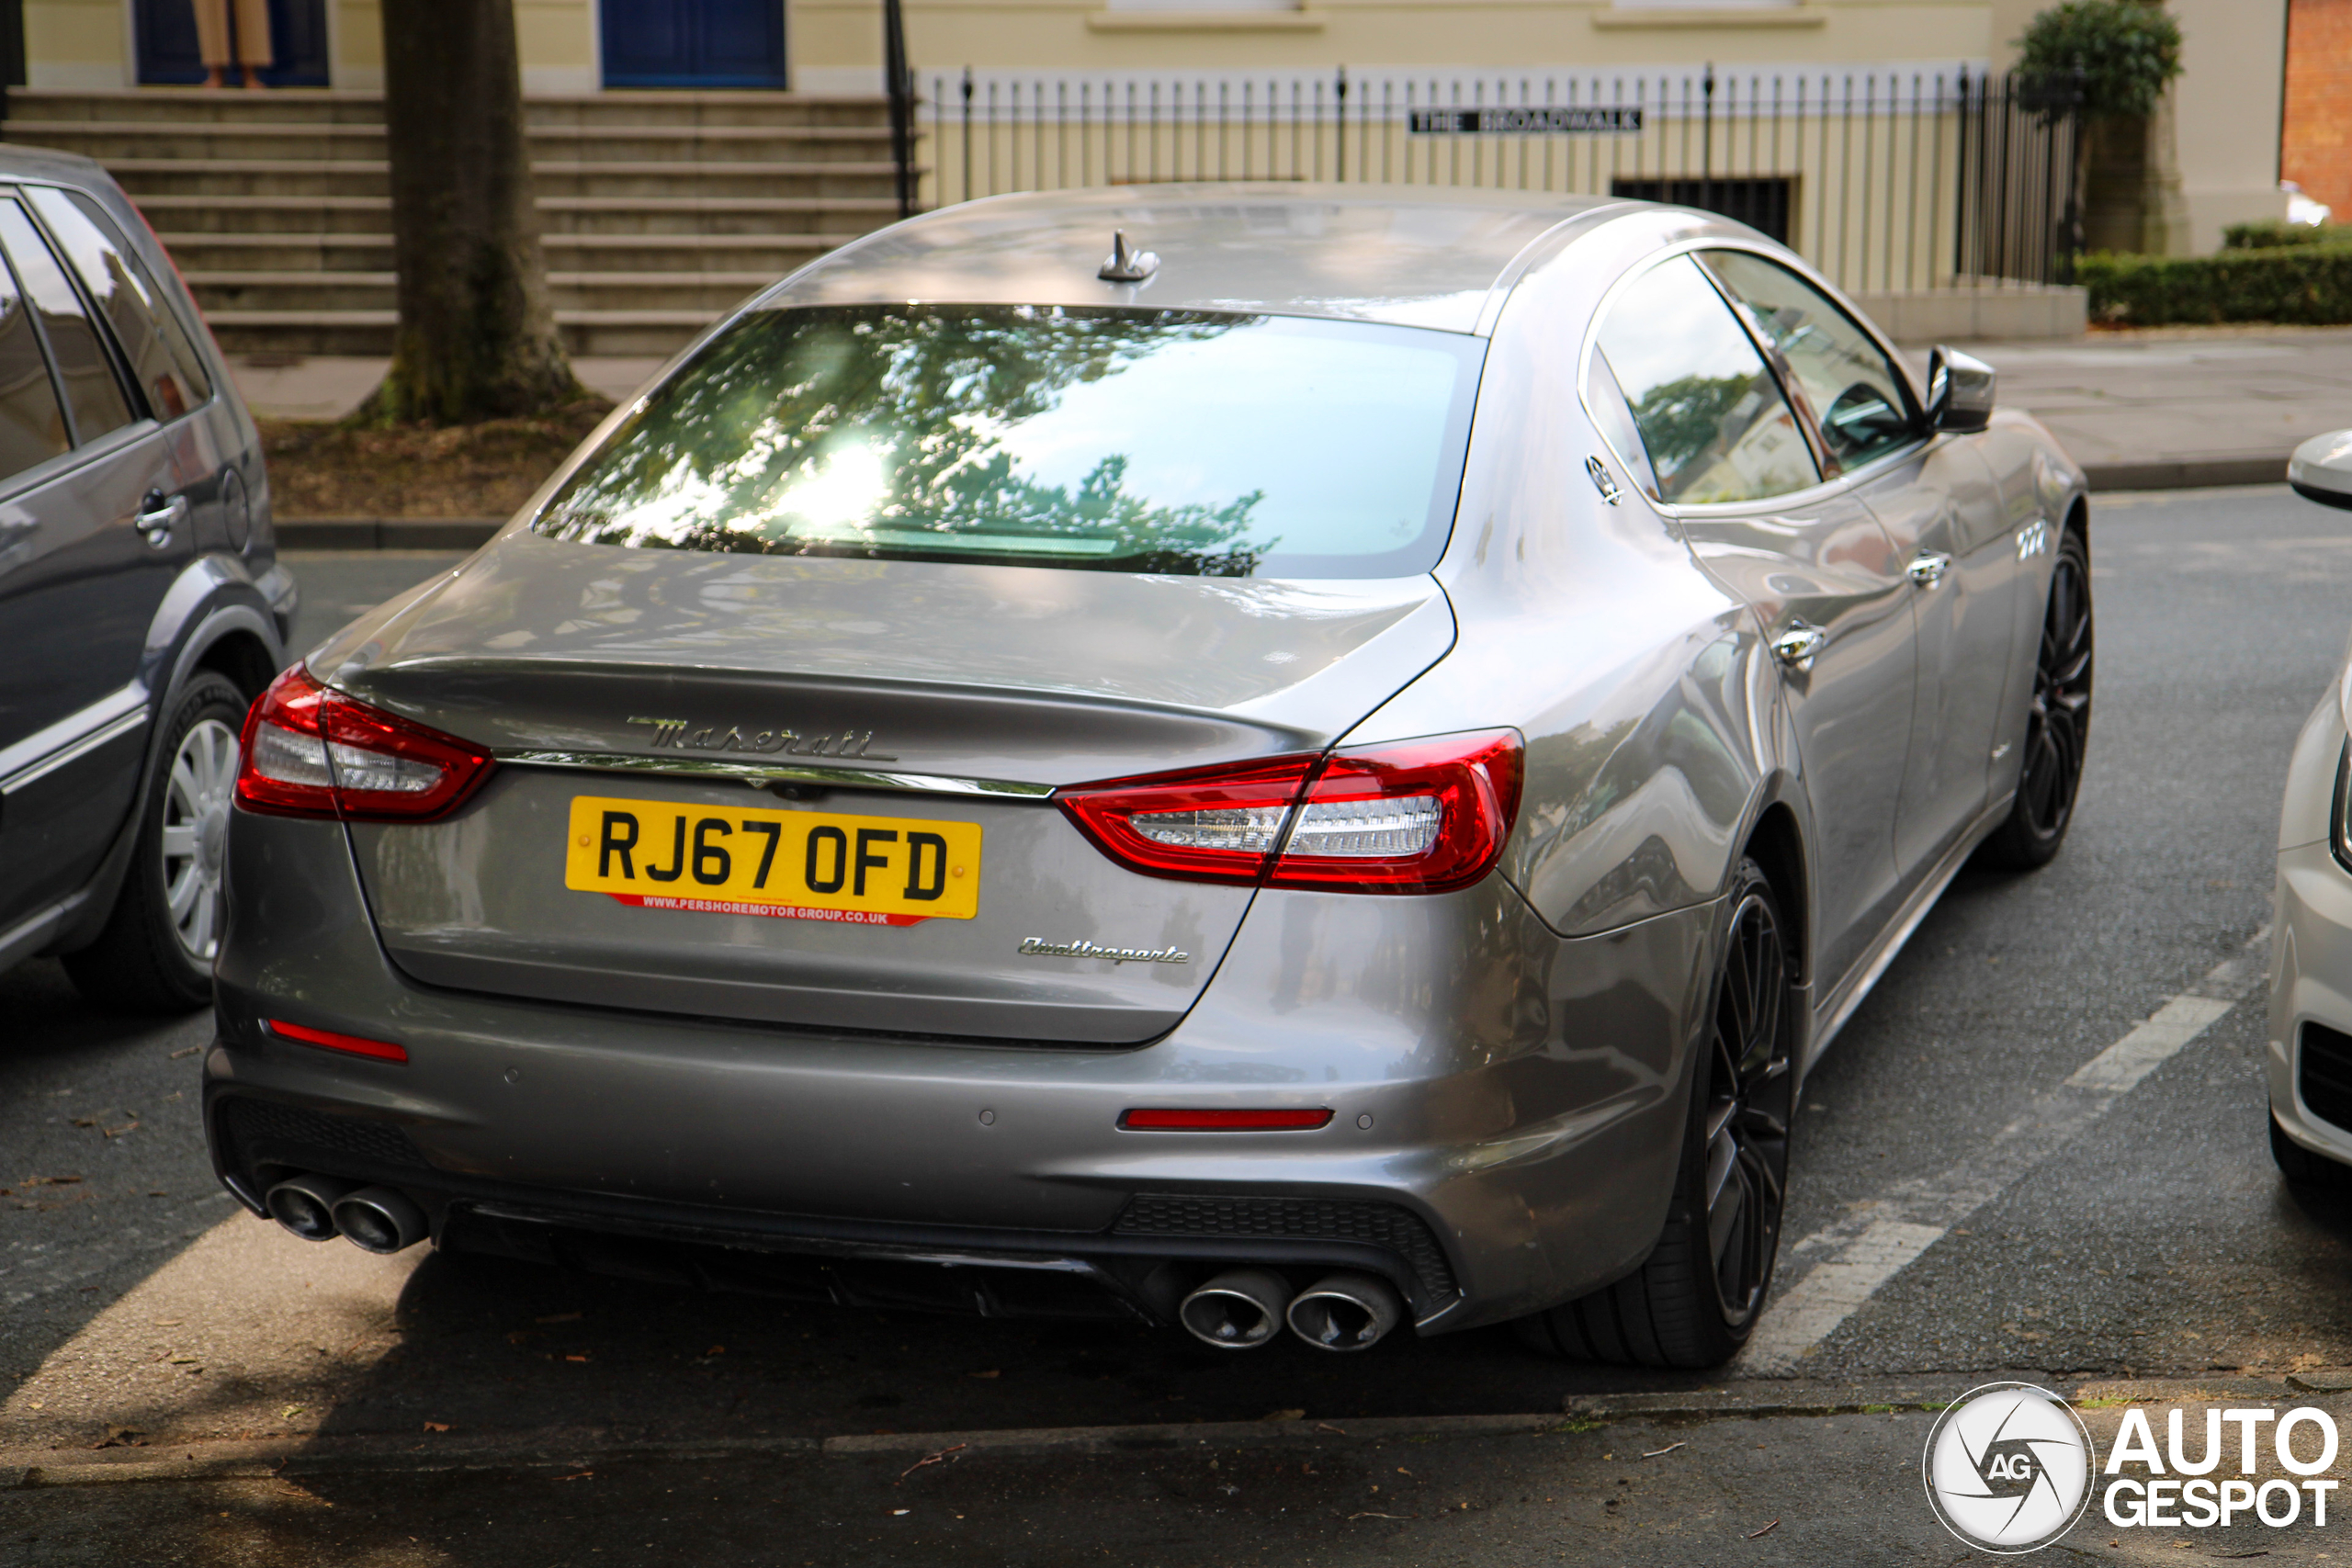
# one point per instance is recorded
(1263, 757)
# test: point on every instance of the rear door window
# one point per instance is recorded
(32, 426)
(93, 394)
(1710, 411)
(163, 360)
(1182, 442)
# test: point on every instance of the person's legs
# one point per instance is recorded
(212, 37)
(254, 45)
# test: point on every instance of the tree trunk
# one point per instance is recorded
(477, 336)
(2131, 190)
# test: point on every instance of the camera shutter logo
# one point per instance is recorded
(2008, 1468)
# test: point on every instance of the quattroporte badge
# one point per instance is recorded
(1037, 947)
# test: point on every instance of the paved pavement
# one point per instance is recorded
(2168, 407)
(430, 1410)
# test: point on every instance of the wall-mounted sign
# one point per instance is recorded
(1526, 120)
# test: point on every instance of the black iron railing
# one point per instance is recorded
(899, 83)
(1885, 180)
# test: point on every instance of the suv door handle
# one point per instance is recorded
(1927, 568)
(158, 516)
(1797, 644)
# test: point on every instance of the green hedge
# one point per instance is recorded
(2305, 285)
(2275, 231)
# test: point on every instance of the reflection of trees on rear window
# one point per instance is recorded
(1715, 438)
(1177, 442)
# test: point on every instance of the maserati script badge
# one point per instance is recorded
(680, 735)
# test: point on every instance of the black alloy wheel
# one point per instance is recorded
(2058, 719)
(1747, 1114)
(1695, 1301)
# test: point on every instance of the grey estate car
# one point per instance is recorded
(1252, 755)
(139, 586)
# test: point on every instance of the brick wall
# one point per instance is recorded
(2315, 149)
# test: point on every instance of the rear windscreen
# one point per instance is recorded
(1181, 442)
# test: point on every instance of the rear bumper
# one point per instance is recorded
(1507, 1109)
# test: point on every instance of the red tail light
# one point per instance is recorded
(1411, 816)
(1205, 825)
(309, 750)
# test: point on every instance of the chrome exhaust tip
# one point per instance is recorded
(377, 1219)
(1239, 1309)
(1346, 1312)
(305, 1204)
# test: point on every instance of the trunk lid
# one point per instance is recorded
(884, 698)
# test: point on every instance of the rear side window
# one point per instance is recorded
(32, 427)
(162, 361)
(1193, 443)
(93, 395)
(1711, 414)
(1853, 387)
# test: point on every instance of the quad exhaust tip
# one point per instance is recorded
(305, 1205)
(1239, 1309)
(373, 1219)
(377, 1219)
(1346, 1312)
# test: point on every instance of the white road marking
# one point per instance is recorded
(1859, 1254)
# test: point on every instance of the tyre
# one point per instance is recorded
(2058, 724)
(1695, 1301)
(2304, 1168)
(156, 953)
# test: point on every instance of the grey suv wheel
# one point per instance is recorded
(156, 953)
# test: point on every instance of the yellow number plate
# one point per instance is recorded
(807, 865)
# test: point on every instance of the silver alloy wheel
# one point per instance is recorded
(196, 825)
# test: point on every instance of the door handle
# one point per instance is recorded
(1927, 568)
(158, 516)
(1797, 644)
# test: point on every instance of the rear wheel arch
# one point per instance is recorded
(241, 656)
(1776, 843)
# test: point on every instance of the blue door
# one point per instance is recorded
(298, 40)
(694, 43)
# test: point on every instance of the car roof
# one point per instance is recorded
(20, 161)
(1413, 256)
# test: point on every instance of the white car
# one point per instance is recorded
(2310, 932)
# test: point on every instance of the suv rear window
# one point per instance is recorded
(1188, 443)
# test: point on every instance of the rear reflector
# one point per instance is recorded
(327, 1039)
(1226, 1121)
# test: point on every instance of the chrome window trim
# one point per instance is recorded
(756, 773)
(1795, 500)
(118, 713)
(163, 300)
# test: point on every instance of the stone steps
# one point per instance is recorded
(658, 211)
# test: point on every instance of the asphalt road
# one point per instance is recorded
(2153, 1242)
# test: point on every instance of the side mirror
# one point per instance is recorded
(1960, 390)
(2321, 469)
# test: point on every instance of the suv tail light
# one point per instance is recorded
(1412, 817)
(309, 750)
